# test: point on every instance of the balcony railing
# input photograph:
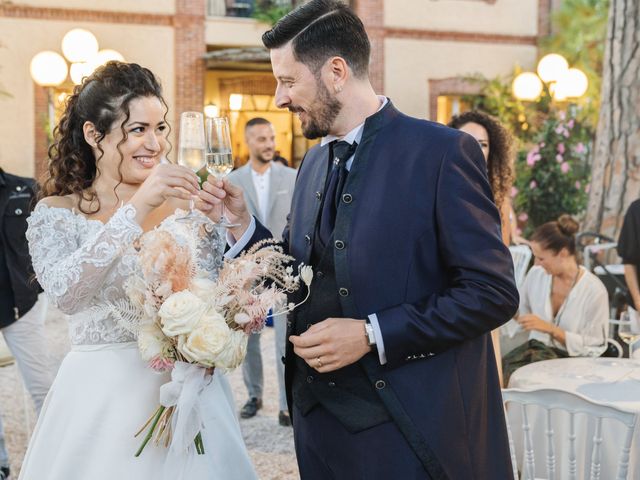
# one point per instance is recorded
(242, 8)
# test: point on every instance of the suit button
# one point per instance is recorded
(310, 379)
(380, 384)
(18, 188)
(331, 384)
(319, 274)
(343, 292)
(18, 211)
(319, 195)
(307, 238)
(339, 244)
(347, 198)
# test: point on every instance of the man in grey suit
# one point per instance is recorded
(268, 187)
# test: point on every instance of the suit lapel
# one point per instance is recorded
(274, 187)
(250, 191)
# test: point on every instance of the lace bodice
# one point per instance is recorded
(83, 265)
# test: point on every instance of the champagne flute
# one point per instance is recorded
(629, 331)
(219, 158)
(191, 150)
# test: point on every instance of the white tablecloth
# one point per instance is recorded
(611, 381)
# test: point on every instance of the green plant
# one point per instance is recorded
(552, 177)
(579, 34)
(270, 11)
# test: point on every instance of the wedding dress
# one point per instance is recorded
(104, 392)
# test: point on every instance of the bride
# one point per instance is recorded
(106, 186)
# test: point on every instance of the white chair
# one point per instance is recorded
(573, 404)
(521, 255)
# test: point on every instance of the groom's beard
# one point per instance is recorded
(322, 113)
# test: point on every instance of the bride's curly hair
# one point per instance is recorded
(102, 99)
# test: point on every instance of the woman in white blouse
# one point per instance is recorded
(563, 306)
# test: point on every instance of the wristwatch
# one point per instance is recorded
(371, 337)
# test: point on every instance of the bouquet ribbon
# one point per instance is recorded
(183, 391)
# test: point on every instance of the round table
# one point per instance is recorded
(610, 381)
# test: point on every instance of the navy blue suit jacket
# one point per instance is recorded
(423, 251)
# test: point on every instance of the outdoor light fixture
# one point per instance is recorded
(527, 86)
(553, 69)
(235, 102)
(211, 110)
(79, 45)
(48, 69)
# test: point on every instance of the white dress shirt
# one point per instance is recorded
(584, 315)
(262, 185)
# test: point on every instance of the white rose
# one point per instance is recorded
(234, 351)
(180, 313)
(202, 288)
(205, 342)
(151, 342)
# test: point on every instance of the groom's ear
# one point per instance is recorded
(90, 134)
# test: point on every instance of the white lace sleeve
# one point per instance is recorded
(72, 269)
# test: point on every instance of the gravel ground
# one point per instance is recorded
(269, 444)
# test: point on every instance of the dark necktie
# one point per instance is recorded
(340, 152)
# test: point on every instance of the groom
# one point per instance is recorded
(390, 370)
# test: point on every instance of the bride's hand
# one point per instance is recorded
(165, 181)
(216, 192)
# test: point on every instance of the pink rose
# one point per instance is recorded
(570, 123)
(514, 192)
(565, 167)
(559, 129)
(561, 149)
(533, 185)
(578, 185)
(559, 158)
(523, 217)
(580, 148)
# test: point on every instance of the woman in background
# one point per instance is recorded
(563, 305)
(496, 144)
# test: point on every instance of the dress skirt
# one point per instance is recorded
(102, 395)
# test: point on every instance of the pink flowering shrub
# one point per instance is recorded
(553, 173)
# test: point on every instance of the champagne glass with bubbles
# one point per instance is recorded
(191, 151)
(218, 155)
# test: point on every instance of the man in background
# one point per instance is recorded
(269, 188)
(21, 314)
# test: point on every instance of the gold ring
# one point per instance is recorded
(319, 362)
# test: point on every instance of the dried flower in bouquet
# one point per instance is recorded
(191, 320)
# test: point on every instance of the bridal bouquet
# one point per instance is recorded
(193, 320)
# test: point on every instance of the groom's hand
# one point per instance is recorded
(332, 344)
(214, 194)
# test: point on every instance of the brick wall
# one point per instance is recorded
(190, 46)
(372, 14)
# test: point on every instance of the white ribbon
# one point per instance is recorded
(183, 391)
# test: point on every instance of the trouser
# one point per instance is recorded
(252, 371)
(27, 342)
(327, 451)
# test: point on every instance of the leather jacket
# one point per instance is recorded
(17, 200)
